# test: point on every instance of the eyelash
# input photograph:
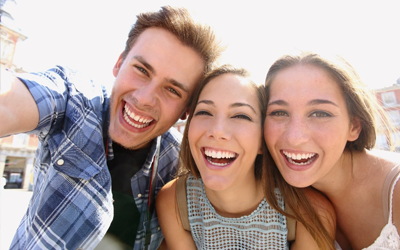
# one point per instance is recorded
(142, 70)
(278, 113)
(240, 116)
(173, 91)
(318, 114)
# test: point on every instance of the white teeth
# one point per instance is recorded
(219, 154)
(217, 164)
(292, 157)
(129, 114)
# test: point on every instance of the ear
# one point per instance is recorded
(117, 65)
(185, 114)
(355, 129)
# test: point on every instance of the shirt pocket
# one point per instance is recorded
(78, 149)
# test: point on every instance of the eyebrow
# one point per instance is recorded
(310, 103)
(233, 105)
(177, 84)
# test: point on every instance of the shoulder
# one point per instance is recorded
(175, 235)
(321, 204)
(166, 196)
(172, 137)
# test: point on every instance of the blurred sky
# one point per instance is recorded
(90, 35)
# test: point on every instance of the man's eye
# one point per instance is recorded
(202, 112)
(172, 90)
(241, 116)
(142, 70)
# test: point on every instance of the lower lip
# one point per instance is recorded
(298, 167)
(130, 127)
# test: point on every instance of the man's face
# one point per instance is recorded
(152, 88)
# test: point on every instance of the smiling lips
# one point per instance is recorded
(135, 120)
(300, 159)
(219, 157)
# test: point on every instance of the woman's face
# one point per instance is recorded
(307, 124)
(225, 132)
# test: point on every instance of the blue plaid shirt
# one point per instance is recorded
(71, 205)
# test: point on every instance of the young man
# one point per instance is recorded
(101, 160)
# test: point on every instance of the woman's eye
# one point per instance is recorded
(278, 113)
(202, 112)
(320, 114)
(242, 117)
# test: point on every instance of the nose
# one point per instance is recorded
(219, 129)
(296, 131)
(146, 94)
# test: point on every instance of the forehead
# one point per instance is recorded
(300, 81)
(229, 88)
(169, 58)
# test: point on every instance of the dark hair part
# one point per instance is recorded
(187, 162)
(179, 22)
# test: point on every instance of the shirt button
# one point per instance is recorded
(139, 195)
(60, 162)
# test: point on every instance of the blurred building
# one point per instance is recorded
(17, 152)
(389, 98)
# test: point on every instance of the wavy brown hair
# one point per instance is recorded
(361, 104)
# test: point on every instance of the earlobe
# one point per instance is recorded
(355, 129)
(117, 65)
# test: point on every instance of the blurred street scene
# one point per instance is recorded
(13, 205)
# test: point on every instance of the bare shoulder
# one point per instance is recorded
(176, 237)
(320, 203)
(166, 196)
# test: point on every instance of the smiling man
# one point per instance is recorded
(101, 158)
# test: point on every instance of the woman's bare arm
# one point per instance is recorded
(168, 215)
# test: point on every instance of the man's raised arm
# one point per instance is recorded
(18, 110)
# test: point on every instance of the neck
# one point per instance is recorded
(336, 182)
(237, 201)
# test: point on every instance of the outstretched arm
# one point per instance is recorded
(327, 215)
(168, 215)
(18, 109)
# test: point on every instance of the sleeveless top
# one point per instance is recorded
(264, 228)
(389, 237)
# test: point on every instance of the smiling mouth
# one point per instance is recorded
(134, 120)
(300, 159)
(219, 157)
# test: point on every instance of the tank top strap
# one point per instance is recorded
(387, 192)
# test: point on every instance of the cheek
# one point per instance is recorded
(271, 132)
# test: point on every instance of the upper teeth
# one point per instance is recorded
(219, 154)
(136, 117)
(298, 156)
